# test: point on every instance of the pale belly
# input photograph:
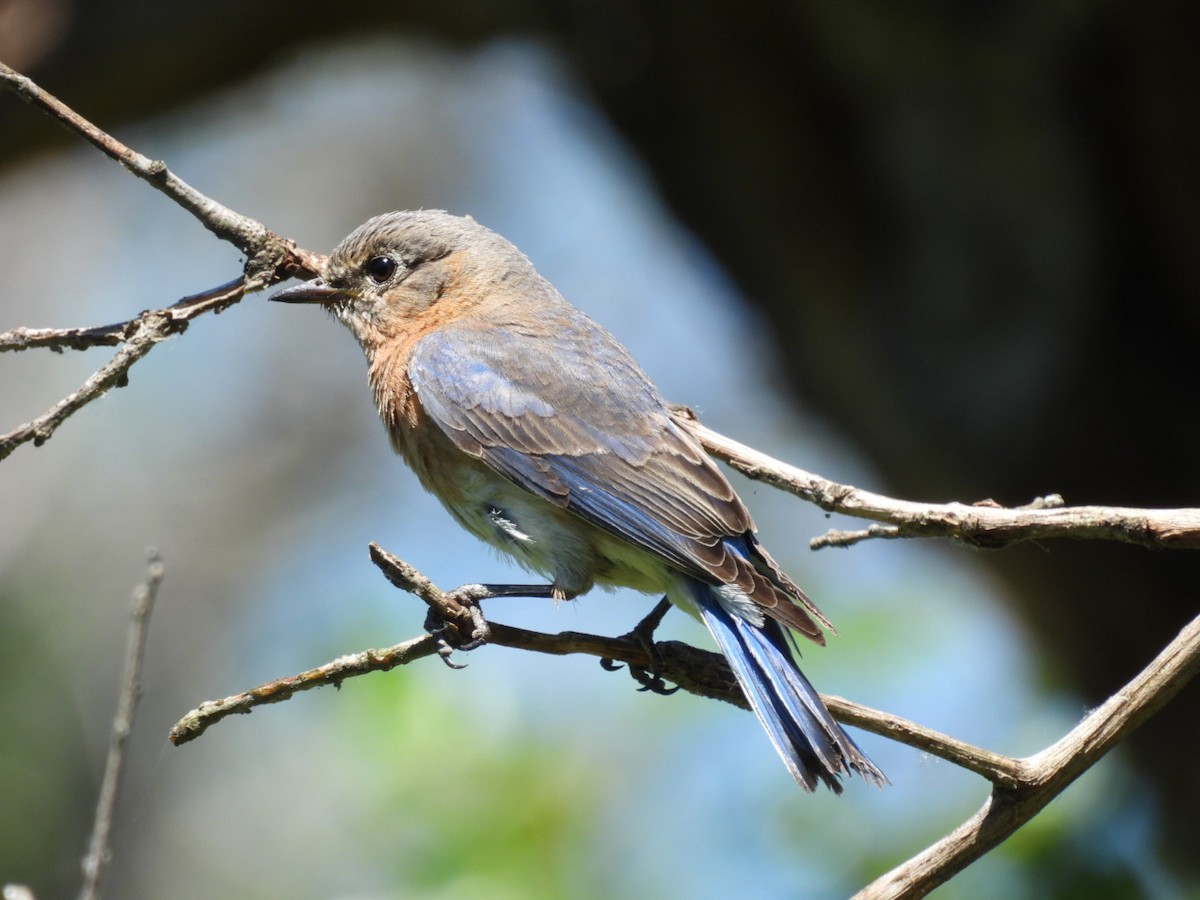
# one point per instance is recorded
(540, 536)
(548, 540)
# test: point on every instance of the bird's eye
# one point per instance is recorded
(380, 268)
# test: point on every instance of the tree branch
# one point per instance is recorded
(241, 231)
(272, 258)
(985, 524)
(138, 336)
(1046, 774)
(269, 258)
(96, 860)
(697, 671)
(196, 722)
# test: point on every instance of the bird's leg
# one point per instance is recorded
(469, 595)
(644, 630)
(489, 591)
(450, 634)
(643, 633)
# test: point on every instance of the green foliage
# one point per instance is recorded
(45, 801)
(464, 806)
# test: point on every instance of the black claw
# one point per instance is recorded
(643, 633)
(652, 682)
(444, 652)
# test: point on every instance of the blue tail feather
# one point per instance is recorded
(813, 746)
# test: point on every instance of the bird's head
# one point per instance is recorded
(391, 271)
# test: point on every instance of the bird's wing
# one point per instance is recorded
(563, 411)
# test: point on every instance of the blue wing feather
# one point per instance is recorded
(594, 502)
(596, 440)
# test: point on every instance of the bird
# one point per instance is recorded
(542, 436)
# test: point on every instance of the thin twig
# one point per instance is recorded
(242, 231)
(997, 768)
(140, 336)
(269, 257)
(196, 722)
(179, 314)
(96, 860)
(985, 524)
(59, 339)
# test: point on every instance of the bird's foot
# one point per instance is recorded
(459, 635)
(643, 633)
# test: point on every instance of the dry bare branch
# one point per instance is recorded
(138, 336)
(984, 524)
(697, 671)
(1046, 774)
(96, 860)
(241, 231)
(269, 258)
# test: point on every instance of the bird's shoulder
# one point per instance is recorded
(546, 369)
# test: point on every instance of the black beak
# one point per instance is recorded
(315, 291)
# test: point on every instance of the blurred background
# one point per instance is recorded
(940, 250)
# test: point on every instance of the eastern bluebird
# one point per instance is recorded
(542, 436)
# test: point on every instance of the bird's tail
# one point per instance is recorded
(762, 655)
